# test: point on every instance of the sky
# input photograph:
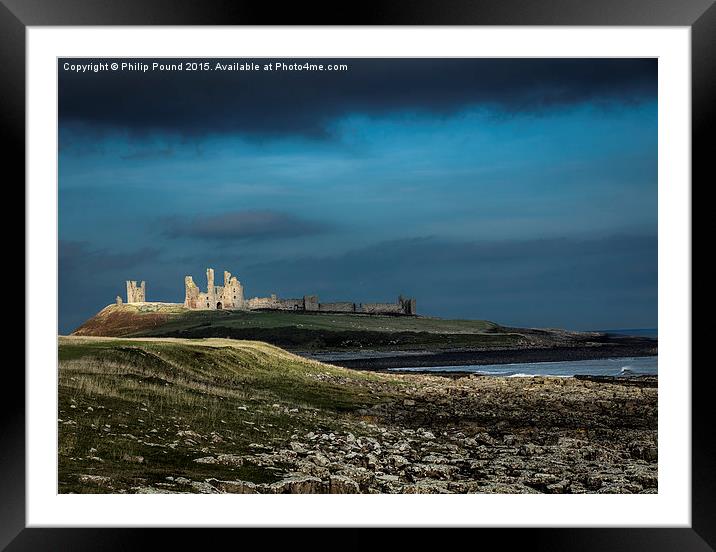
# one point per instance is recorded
(522, 191)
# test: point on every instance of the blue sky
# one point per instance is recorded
(534, 208)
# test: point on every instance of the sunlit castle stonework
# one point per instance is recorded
(135, 293)
(230, 296)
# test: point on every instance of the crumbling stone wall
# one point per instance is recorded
(258, 303)
(382, 308)
(231, 296)
(135, 293)
(274, 303)
(342, 306)
(291, 304)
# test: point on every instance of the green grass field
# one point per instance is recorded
(169, 401)
(324, 321)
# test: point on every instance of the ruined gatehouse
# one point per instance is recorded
(228, 296)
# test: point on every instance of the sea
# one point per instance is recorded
(621, 367)
(635, 332)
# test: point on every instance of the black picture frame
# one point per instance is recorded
(699, 15)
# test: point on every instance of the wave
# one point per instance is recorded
(624, 367)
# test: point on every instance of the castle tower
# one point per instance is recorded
(210, 289)
(135, 293)
(191, 293)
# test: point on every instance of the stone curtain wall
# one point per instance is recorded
(383, 308)
(337, 307)
(274, 303)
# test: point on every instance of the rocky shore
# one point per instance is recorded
(544, 435)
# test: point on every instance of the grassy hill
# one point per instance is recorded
(164, 400)
(298, 330)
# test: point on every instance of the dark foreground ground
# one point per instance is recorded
(226, 416)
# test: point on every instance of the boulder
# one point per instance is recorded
(397, 462)
(340, 484)
(297, 485)
(203, 487)
(236, 487)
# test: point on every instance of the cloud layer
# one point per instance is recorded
(242, 225)
(80, 256)
(269, 103)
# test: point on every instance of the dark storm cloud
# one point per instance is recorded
(510, 264)
(77, 255)
(265, 103)
(242, 225)
(578, 283)
(89, 278)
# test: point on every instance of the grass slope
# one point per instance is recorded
(297, 330)
(162, 400)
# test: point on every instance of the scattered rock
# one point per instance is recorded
(151, 490)
(206, 460)
(98, 480)
(133, 459)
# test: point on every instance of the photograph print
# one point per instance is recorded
(359, 275)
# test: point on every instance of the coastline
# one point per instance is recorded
(629, 347)
(324, 429)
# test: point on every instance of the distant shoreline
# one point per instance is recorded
(628, 348)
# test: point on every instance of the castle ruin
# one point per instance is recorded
(230, 296)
